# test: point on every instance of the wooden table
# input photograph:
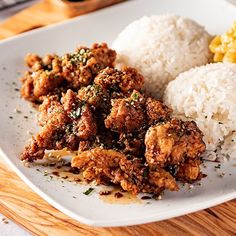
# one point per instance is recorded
(19, 203)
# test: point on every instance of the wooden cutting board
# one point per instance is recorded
(19, 203)
(47, 12)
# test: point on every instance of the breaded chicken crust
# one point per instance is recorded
(122, 136)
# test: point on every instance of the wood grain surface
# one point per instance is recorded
(48, 12)
(19, 203)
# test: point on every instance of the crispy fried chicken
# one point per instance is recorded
(53, 74)
(122, 136)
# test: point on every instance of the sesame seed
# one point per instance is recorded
(29, 132)
(17, 111)
(191, 186)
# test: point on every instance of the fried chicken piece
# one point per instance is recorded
(110, 166)
(125, 80)
(64, 124)
(95, 96)
(53, 74)
(127, 114)
(97, 163)
(157, 111)
(104, 139)
(80, 67)
(85, 145)
(162, 179)
(31, 59)
(172, 142)
(143, 179)
(190, 171)
(44, 78)
(132, 143)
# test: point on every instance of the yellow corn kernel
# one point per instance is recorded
(232, 46)
(226, 38)
(218, 57)
(230, 56)
(234, 33)
(215, 43)
(224, 47)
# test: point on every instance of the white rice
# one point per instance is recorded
(161, 47)
(207, 94)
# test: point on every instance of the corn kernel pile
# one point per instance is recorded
(224, 47)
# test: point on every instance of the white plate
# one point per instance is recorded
(104, 25)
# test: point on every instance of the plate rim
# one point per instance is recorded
(116, 223)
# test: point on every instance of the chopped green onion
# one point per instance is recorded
(88, 191)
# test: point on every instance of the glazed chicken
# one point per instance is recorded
(157, 111)
(172, 142)
(94, 95)
(110, 166)
(127, 114)
(64, 124)
(178, 144)
(122, 136)
(189, 171)
(125, 80)
(53, 74)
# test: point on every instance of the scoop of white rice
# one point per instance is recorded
(207, 94)
(161, 47)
